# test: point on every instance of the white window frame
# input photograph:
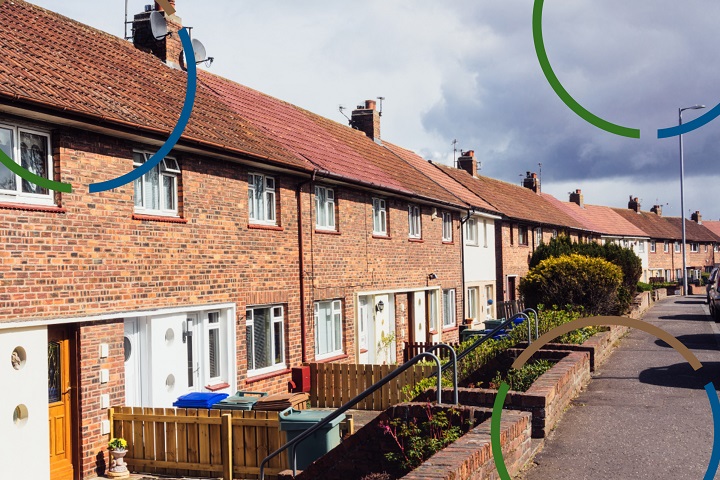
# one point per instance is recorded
(538, 235)
(324, 208)
(473, 300)
(641, 246)
(432, 302)
(666, 247)
(449, 314)
(471, 232)
(379, 216)
(414, 222)
(523, 232)
(447, 229)
(267, 198)
(694, 247)
(277, 325)
(17, 195)
(677, 247)
(335, 311)
(214, 326)
(485, 233)
(167, 169)
(653, 246)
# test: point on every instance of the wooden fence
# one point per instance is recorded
(334, 384)
(412, 349)
(199, 442)
(509, 309)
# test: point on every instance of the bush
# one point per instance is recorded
(625, 258)
(521, 380)
(549, 319)
(644, 287)
(592, 283)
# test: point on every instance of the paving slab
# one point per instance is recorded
(645, 414)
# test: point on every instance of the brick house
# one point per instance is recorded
(268, 237)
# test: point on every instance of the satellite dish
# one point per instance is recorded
(200, 52)
(158, 25)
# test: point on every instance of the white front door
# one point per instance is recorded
(384, 331)
(419, 320)
(169, 342)
(133, 360)
(363, 354)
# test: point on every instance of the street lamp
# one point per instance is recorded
(682, 196)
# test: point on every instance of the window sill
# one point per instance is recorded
(433, 332)
(158, 218)
(265, 376)
(331, 359)
(32, 208)
(258, 226)
(363, 350)
(450, 329)
(381, 237)
(416, 240)
(217, 386)
(445, 242)
(327, 232)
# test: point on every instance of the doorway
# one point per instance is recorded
(61, 394)
(512, 288)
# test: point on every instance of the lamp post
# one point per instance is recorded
(682, 196)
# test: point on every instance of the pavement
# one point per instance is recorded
(645, 414)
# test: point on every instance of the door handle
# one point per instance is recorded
(67, 391)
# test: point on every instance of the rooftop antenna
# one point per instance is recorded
(540, 173)
(200, 52)
(381, 100)
(341, 108)
(158, 26)
(454, 144)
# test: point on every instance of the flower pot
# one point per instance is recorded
(118, 467)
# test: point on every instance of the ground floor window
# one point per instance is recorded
(472, 303)
(265, 339)
(449, 307)
(328, 329)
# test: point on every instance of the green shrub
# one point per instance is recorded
(644, 287)
(521, 380)
(549, 319)
(592, 283)
(625, 258)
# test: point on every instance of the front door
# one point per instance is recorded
(511, 289)
(60, 404)
(419, 319)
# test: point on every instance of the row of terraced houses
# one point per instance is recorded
(268, 238)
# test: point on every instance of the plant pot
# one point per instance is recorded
(118, 467)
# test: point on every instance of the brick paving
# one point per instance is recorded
(645, 414)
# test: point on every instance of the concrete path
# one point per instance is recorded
(645, 414)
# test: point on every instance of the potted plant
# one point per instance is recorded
(118, 449)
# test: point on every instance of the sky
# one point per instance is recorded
(466, 70)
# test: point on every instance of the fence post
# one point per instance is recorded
(227, 446)
(111, 412)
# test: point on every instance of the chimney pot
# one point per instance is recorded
(531, 181)
(370, 104)
(578, 198)
(468, 163)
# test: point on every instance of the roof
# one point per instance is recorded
(598, 218)
(694, 231)
(654, 225)
(713, 226)
(513, 201)
(106, 80)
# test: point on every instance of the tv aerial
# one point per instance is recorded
(200, 53)
(158, 26)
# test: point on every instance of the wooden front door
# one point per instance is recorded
(511, 294)
(60, 405)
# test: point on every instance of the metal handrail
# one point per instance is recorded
(368, 391)
(453, 359)
(537, 321)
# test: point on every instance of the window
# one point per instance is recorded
(706, 247)
(554, 233)
(213, 346)
(432, 305)
(261, 199)
(447, 227)
(328, 329)
(379, 217)
(265, 339)
(472, 303)
(471, 232)
(666, 246)
(324, 208)
(31, 150)
(490, 297)
(694, 247)
(538, 235)
(677, 247)
(449, 307)
(668, 275)
(512, 239)
(156, 191)
(641, 246)
(522, 235)
(652, 246)
(485, 233)
(414, 227)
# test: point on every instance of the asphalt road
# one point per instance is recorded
(645, 414)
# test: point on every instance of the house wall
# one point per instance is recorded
(352, 261)
(480, 269)
(659, 260)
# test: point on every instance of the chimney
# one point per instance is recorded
(657, 210)
(168, 49)
(696, 217)
(634, 204)
(367, 120)
(577, 198)
(467, 162)
(531, 181)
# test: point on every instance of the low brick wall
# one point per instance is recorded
(659, 294)
(470, 457)
(546, 399)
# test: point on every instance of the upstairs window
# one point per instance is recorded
(414, 222)
(261, 199)
(677, 247)
(641, 246)
(522, 235)
(447, 227)
(666, 246)
(554, 233)
(31, 150)
(156, 192)
(653, 246)
(471, 233)
(538, 235)
(324, 208)
(379, 217)
(694, 247)
(485, 233)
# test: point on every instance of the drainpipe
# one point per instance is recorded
(298, 197)
(462, 258)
